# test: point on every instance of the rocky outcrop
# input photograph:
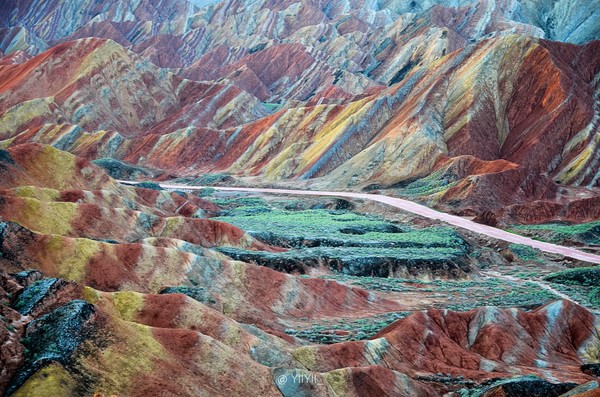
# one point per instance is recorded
(135, 96)
(529, 387)
(91, 317)
(478, 107)
(90, 341)
(591, 369)
(11, 330)
(481, 344)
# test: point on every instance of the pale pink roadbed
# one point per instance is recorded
(419, 210)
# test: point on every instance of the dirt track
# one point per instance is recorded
(419, 210)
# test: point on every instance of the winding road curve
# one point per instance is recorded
(415, 209)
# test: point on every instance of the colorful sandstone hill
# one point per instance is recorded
(483, 108)
(118, 290)
(470, 101)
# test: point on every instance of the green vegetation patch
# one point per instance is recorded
(460, 295)
(582, 283)
(360, 261)
(347, 329)
(344, 241)
(587, 276)
(121, 170)
(594, 296)
(230, 203)
(206, 192)
(585, 296)
(588, 233)
(335, 228)
(525, 252)
(150, 185)
(433, 183)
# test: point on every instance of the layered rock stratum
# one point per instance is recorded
(494, 103)
(119, 290)
(483, 108)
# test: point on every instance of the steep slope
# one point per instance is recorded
(483, 148)
(483, 133)
(83, 341)
(41, 19)
(460, 105)
(562, 20)
(482, 343)
(281, 72)
(94, 265)
(106, 87)
(123, 343)
(351, 38)
(142, 21)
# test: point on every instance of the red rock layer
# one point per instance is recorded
(527, 106)
(275, 74)
(132, 346)
(107, 87)
(483, 343)
(114, 237)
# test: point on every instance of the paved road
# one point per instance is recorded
(419, 210)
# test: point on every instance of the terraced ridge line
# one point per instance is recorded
(414, 208)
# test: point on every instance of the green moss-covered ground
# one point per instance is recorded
(582, 282)
(461, 295)
(338, 330)
(525, 252)
(588, 276)
(587, 233)
(436, 182)
(456, 295)
(343, 240)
